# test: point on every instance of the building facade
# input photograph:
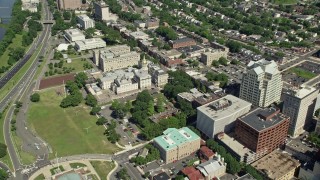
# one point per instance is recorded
(208, 57)
(117, 57)
(176, 144)
(183, 42)
(74, 35)
(220, 115)
(85, 22)
(261, 84)
(88, 44)
(158, 76)
(262, 130)
(101, 11)
(299, 106)
(69, 4)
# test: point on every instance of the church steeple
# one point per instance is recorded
(144, 63)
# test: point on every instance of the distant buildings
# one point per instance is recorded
(115, 57)
(101, 11)
(277, 165)
(88, 44)
(299, 106)
(85, 22)
(183, 42)
(262, 130)
(176, 144)
(219, 115)
(152, 23)
(69, 4)
(72, 35)
(261, 84)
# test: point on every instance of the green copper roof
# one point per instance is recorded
(173, 137)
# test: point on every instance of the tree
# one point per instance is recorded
(101, 121)
(160, 104)
(215, 63)
(235, 62)
(66, 15)
(3, 150)
(91, 100)
(3, 174)
(95, 110)
(80, 79)
(179, 177)
(122, 174)
(223, 61)
(35, 97)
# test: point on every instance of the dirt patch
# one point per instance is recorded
(55, 81)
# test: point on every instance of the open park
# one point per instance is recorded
(68, 131)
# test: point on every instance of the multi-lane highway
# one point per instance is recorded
(18, 92)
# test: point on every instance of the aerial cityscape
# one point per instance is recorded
(160, 89)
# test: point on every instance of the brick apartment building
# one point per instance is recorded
(69, 4)
(262, 130)
(183, 42)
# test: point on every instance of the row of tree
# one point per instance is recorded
(153, 154)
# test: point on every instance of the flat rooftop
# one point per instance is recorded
(276, 164)
(235, 145)
(173, 137)
(223, 107)
(90, 41)
(182, 40)
(263, 118)
(302, 92)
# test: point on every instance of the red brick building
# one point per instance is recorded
(183, 42)
(262, 130)
(206, 153)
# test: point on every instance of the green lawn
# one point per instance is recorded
(16, 42)
(103, 168)
(40, 177)
(77, 165)
(284, 2)
(6, 159)
(77, 64)
(64, 129)
(302, 73)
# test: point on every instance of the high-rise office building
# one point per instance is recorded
(261, 84)
(101, 10)
(299, 106)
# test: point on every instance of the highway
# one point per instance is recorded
(18, 92)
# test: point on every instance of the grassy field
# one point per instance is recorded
(284, 2)
(77, 64)
(76, 165)
(65, 129)
(103, 168)
(6, 159)
(16, 42)
(40, 177)
(302, 73)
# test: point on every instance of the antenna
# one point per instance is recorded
(87, 129)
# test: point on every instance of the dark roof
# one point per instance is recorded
(161, 176)
(186, 39)
(260, 119)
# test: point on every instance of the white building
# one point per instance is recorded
(85, 22)
(139, 35)
(213, 168)
(116, 57)
(220, 115)
(299, 106)
(158, 76)
(87, 44)
(261, 84)
(74, 35)
(214, 55)
(143, 79)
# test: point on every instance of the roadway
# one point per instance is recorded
(18, 92)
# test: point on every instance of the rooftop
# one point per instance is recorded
(209, 167)
(174, 137)
(73, 32)
(263, 66)
(260, 119)
(84, 17)
(90, 41)
(192, 173)
(234, 145)
(302, 92)
(223, 107)
(161, 176)
(246, 177)
(182, 40)
(276, 164)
